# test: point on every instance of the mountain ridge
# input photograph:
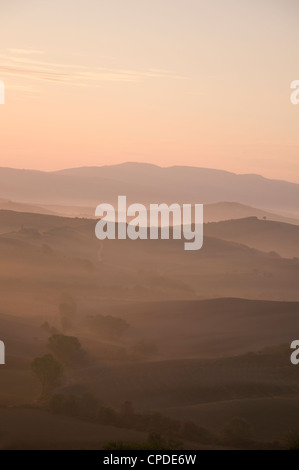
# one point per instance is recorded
(147, 183)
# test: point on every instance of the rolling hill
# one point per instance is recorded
(127, 269)
(203, 327)
(262, 235)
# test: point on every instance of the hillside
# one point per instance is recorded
(262, 235)
(195, 324)
(69, 433)
(232, 210)
(64, 253)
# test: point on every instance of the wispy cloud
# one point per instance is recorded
(16, 64)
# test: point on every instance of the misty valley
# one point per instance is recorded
(139, 343)
(149, 229)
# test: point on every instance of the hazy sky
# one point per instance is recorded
(194, 82)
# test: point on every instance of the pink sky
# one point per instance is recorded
(193, 82)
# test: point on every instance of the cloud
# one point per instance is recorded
(35, 75)
(77, 75)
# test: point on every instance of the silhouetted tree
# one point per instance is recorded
(67, 349)
(107, 416)
(48, 371)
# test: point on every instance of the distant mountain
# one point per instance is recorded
(146, 183)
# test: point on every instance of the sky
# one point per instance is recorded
(171, 82)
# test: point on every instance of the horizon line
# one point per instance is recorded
(146, 164)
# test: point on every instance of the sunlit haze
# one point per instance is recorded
(168, 82)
